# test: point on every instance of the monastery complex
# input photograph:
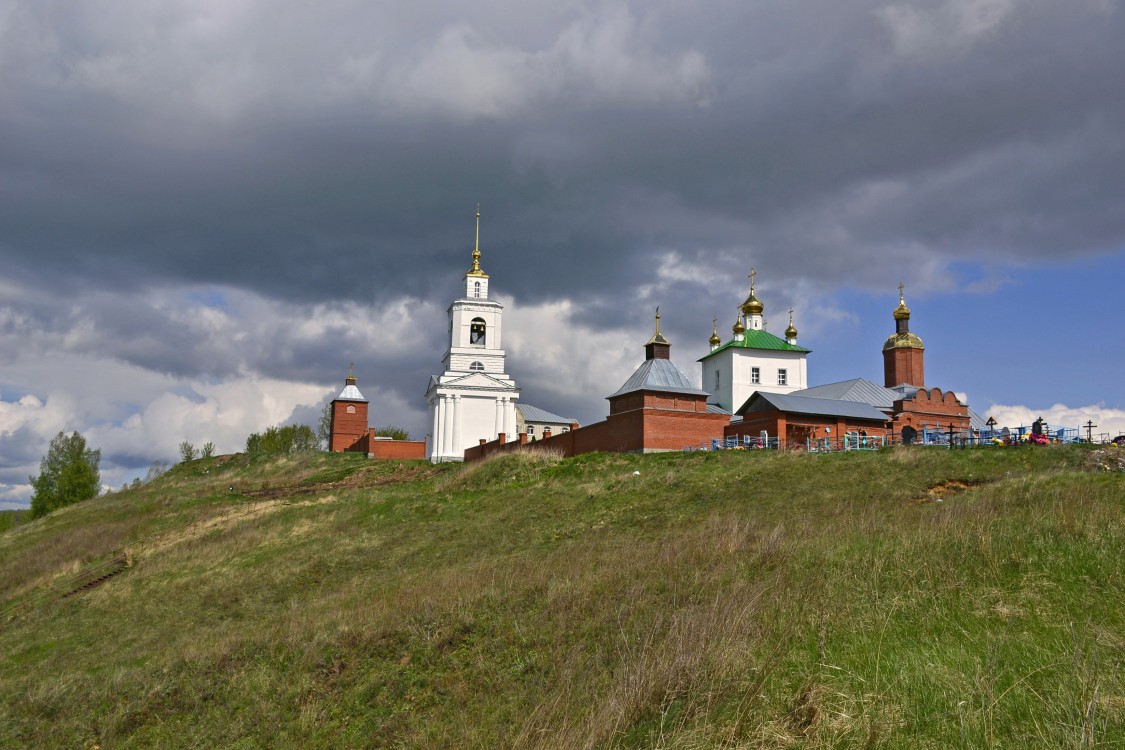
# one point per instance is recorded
(754, 393)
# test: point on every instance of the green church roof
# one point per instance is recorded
(755, 339)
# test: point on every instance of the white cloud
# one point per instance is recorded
(1107, 421)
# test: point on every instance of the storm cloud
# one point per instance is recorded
(199, 196)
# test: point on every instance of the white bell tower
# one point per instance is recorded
(474, 398)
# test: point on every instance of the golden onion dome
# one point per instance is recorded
(753, 305)
(739, 327)
(903, 341)
(790, 332)
(715, 340)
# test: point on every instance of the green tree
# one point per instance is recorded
(208, 451)
(393, 432)
(67, 474)
(324, 426)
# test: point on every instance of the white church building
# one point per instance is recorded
(474, 398)
(753, 359)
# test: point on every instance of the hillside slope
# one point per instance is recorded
(919, 598)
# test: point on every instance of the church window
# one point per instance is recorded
(476, 331)
(477, 366)
(755, 375)
(351, 409)
(716, 380)
(782, 377)
(476, 288)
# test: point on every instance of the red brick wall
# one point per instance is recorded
(638, 422)
(348, 430)
(397, 449)
(934, 408)
(903, 366)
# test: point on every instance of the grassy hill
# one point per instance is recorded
(914, 598)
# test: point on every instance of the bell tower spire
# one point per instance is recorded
(903, 351)
(476, 280)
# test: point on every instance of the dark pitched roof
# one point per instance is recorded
(826, 407)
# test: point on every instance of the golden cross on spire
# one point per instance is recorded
(790, 316)
(658, 318)
(476, 245)
(901, 286)
(753, 275)
(715, 323)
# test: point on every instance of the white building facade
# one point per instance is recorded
(474, 398)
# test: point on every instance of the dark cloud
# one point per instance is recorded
(314, 166)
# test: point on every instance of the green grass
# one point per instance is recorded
(917, 598)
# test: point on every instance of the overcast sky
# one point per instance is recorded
(209, 208)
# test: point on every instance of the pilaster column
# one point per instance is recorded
(498, 421)
(435, 432)
(456, 448)
(509, 415)
(446, 426)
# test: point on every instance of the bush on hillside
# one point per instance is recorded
(393, 432)
(282, 441)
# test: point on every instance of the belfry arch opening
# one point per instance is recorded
(477, 332)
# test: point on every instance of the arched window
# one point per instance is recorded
(476, 331)
(476, 288)
(351, 409)
(477, 366)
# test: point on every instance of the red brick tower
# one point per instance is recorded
(349, 419)
(902, 352)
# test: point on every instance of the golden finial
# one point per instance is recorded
(476, 270)
(714, 340)
(658, 337)
(351, 373)
(902, 312)
(739, 327)
(790, 332)
(753, 275)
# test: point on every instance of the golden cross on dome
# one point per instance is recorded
(753, 275)
(658, 318)
(901, 286)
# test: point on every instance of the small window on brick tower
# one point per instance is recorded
(351, 409)
(476, 331)
(782, 377)
(476, 288)
(477, 366)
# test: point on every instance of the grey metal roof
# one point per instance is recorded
(716, 409)
(658, 375)
(828, 407)
(535, 414)
(350, 393)
(856, 389)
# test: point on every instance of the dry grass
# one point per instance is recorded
(712, 601)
